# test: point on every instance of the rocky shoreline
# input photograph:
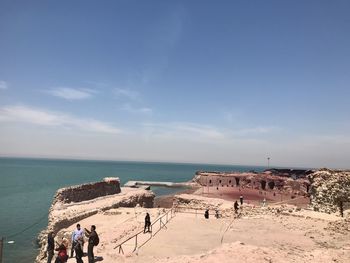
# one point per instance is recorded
(323, 190)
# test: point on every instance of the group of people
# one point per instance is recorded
(77, 245)
(217, 214)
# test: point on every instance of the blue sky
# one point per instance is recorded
(188, 81)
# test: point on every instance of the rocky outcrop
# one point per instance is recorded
(291, 173)
(83, 192)
(330, 190)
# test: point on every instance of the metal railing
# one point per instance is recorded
(163, 220)
(196, 211)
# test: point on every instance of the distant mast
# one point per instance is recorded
(268, 162)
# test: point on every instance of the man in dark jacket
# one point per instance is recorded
(236, 206)
(50, 246)
(92, 235)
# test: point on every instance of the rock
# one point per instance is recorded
(329, 189)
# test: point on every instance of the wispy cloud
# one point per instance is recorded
(24, 114)
(140, 110)
(255, 130)
(71, 93)
(184, 130)
(196, 132)
(3, 85)
(127, 93)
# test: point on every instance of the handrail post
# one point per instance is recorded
(135, 242)
(1, 246)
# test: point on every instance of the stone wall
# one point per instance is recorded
(83, 192)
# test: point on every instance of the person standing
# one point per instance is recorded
(235, 206)
(77, 233)
(79, 250)
(241, 199)
(50, 246)
(93, 241)
(147, 223)
(206, 214)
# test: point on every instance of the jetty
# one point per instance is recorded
(147, 184)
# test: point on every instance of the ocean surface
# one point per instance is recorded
(28, 185)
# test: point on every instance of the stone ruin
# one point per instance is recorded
(83, 192)
(266, 181)
(330, 190)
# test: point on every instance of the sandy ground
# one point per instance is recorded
(302, 237)
(252, 196)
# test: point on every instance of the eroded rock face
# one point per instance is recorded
(83, 192)
(329, 190)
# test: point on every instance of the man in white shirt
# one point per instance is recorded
(76, 235)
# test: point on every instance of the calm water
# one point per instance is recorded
(28, 185)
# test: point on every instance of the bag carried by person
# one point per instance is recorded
(96, 240)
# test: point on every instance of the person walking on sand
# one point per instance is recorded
(93, 241)
(78, 248)
(77, 233)
(50, 246)
(236, 206)
(147, 223)
(241, 199)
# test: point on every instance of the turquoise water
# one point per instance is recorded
(28, 185)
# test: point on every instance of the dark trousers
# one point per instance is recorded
(147, 225)
(78, 253)
(72, 249)
(91, 256)
(50, 254)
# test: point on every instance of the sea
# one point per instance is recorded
(27, 187)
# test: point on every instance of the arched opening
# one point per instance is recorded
(271, 184)
(263, 184)
(237, 181)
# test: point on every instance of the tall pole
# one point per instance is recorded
(268, 162)
(1, 246)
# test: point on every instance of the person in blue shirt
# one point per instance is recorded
(77, 233)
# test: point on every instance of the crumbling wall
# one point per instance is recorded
(329, 190)
(265, 181)
(83, 192)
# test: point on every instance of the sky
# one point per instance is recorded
(226, 82)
